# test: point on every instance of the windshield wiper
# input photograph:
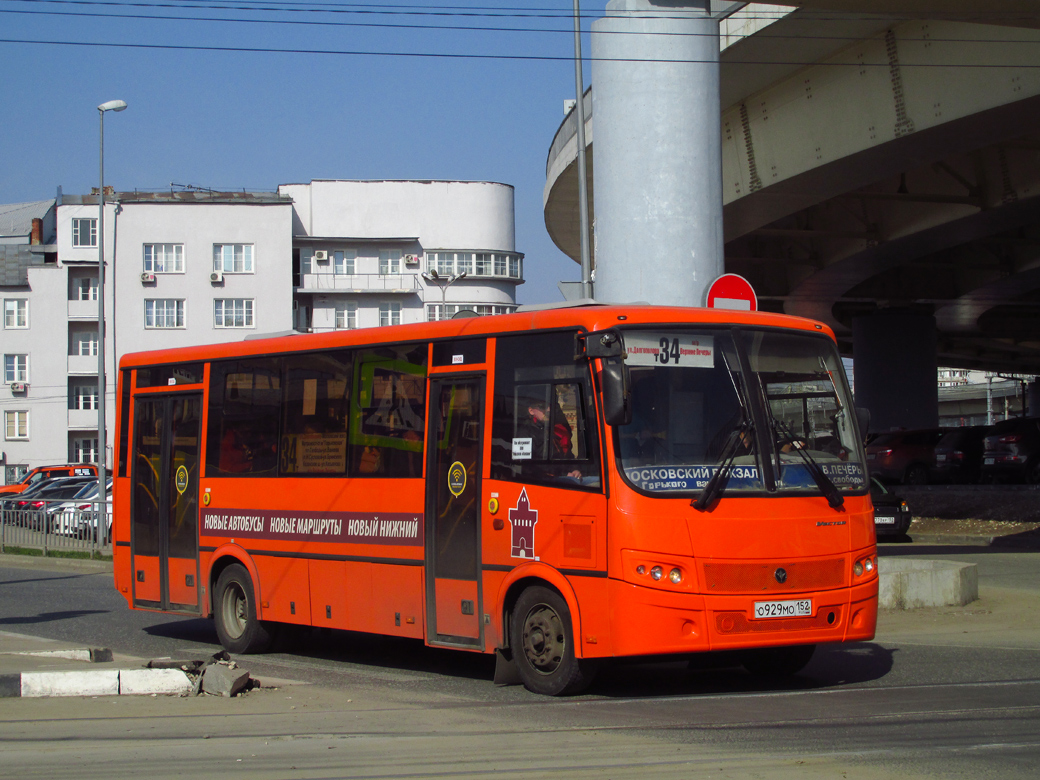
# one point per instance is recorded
(718, 480)
(823, 482)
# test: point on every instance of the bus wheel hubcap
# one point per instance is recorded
(234, 611)
(544, 639)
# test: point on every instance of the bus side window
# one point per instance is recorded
(541, 426)
(245, 402)
(314, 414)
(388, 412)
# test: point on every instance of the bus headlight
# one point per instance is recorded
(675, 575)
(657, 572)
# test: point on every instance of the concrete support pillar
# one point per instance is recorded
(658, 189)
(894, 361)
(1033, 398)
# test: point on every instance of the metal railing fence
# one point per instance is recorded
(55, 525)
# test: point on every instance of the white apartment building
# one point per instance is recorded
(182, 268)
(199, 267)
(369, 253)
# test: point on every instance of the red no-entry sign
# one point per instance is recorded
(732, 291)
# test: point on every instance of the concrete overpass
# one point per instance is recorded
(878, 157)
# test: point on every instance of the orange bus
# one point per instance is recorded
(559, 487)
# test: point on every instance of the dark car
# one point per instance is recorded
(36, 496)
(891, 514)
(958, 455)
(903, 456)
(1012, 451)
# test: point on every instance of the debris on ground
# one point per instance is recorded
(215, 676)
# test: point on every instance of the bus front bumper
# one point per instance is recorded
(648, 621)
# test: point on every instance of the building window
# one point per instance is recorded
(16, 425)
(438, 311)
(164, 313)
(85, 342)
(389, 314)
(343, 262)
(84, 450)
(443, 263)
(164, 258)
(86, 288)
(233, 258)
(389, 261)
(514, 267)
(501, 265)
(84, 232)
(483, 264)
(464, 263)
(16, 313)
(16, 368)
(346, 316)
(233, 313)
(85, 397)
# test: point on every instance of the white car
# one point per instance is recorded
(78, 517)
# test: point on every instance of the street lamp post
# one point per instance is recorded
(444, 283)
(102, 514)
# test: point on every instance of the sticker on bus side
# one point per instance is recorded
(399, 528)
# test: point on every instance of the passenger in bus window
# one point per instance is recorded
(551, 444)
(235, 454)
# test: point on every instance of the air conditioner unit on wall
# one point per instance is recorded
(321, 256)
(17, 387)
(411, 259)
(147, 277)
(216, 276)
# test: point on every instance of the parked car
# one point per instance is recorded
(892, 516)
(41, 473)
(78, 517)
(30, 506)
(958, 455)
(903, 456)
(1012, 451)
(35, 496)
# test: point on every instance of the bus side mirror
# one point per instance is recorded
(617, 395)
(863, 419)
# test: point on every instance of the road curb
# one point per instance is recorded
(99, 682)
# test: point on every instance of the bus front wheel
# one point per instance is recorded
(235, 613)
(542, 644)
(777, 661)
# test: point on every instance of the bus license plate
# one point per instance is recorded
(783, 609)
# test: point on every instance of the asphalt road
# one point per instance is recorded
(950, 692)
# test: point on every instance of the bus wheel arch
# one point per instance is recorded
(542, 630)
(235, 612)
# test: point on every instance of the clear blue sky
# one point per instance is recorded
(254, 119)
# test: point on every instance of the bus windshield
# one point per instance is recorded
(786, 414)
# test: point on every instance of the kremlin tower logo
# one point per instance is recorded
(523, 518)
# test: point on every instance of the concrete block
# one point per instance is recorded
(147, 681)
(911, 584)
(222, 680)
(101, 682)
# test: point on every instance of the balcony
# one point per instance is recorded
(83, 419)
(82, 310)
(83, 364)
(400, 284)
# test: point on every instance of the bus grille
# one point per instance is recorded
(761, 577)
(738, 623)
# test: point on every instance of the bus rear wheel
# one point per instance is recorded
(542, 644)
(235, 613)
(777, 661)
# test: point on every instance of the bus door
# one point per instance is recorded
(164, 505)
(453, 493)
